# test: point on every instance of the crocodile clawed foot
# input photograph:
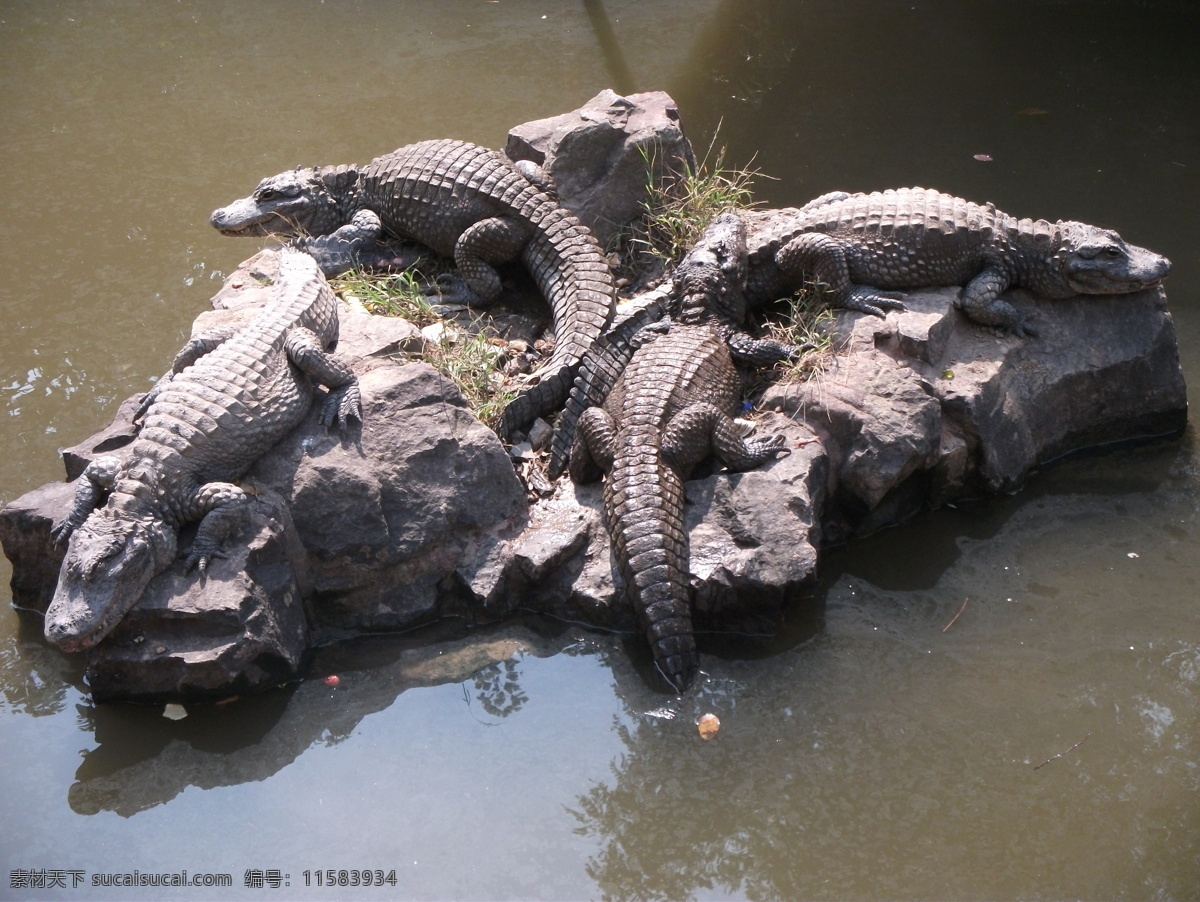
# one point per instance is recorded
(1022, 328)
(873, 301)
(341, 406)
(451, 290)
(765, 448)
(199, 561)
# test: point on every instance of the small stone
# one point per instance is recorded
(708, 726)
(539, 434)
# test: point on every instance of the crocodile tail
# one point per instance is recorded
(574, 276)
(644, 500)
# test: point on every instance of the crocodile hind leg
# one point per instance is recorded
(196, 348)
(702, 428)
(592, 450)
(476, 253)
(305, 350)
(825, 257)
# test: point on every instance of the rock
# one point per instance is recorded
(419, 514)
(596, 157)
(387, 515)
(924, 407)
(539, 434)
(25, 525)
(754, 536)
(239, 628)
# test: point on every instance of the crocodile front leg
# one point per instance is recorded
(980, 301)
(97, 482)
(825, 257)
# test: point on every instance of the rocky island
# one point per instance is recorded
(419, 513)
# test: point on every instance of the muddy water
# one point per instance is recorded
(1043, 746)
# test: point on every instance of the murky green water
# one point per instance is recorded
(866, 752)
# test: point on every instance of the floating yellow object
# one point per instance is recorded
(708, 725)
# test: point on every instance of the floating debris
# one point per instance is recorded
(983, 157)
(332, 680)
(1032, 111)
(174, 712)
(708, 726)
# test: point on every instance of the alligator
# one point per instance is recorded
(863, 245)
(671, 408)
(230, 396)
(464, 202)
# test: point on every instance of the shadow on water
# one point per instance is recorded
(610, 46)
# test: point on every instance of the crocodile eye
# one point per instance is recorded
(267, 194)
(1113, 253)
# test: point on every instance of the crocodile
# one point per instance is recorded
(671, 408)
(230, 395)
(864, 246)
(464, 202)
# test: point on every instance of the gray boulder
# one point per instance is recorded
(925, 407)
(241, 627)
(597, 157)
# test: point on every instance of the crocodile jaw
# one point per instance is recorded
(247, 218)
(107, 567)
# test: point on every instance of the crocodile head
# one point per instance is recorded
(711, 278)
(108, 564)
(1099, 261)
(296, 202)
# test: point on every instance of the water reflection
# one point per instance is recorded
(35, 677)
(142, 759)
(891, 757)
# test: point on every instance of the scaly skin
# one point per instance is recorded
(864, 246)
(671, 408)
(461, 201)
(228, 399)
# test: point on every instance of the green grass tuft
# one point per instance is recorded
(467, 355)
(392, 294)
(678, 209)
